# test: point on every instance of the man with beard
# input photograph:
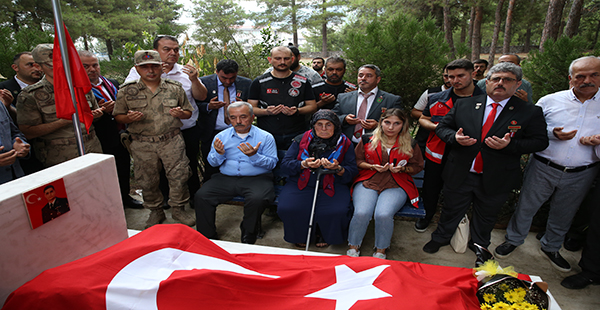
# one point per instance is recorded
(246, 155)
(326, 92)
(566, 169)
(317, 65)
(305, 71)
(480, 67)
(487, 135)
(27, 73)
(277, 98)
(460, 75)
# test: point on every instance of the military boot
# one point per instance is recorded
(183, 217)
(157, 216)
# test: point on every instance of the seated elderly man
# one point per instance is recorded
(246, 155)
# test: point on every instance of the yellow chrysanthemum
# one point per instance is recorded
(527, 306)
(491, 298)
(521, 292)
(513, 296)
(504, 287)
(486, 307)
(501, 306)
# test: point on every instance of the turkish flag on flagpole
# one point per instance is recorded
(81, 84)
(174, 267)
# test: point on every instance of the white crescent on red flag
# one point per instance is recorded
(175, 267)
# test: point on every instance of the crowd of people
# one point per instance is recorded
(348, 152)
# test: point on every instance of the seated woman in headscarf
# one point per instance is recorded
(324, 146)
(386, 162)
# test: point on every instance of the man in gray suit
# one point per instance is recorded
(225, 83)
(359, 111)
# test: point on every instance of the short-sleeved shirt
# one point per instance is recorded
(35, 106)
(136, 96)
(290, 91)
(324, 89)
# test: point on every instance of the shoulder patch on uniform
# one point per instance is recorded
(299, 78)
(265, 79)
(172, 82)
(318, 84)
(129, 83)
(41, 95)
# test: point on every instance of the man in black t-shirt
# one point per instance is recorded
(281, 98)
(327, 91)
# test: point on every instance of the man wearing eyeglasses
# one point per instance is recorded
(168, 48)
(524, 91)
(487, 135)
(53, 139)
(566, 169)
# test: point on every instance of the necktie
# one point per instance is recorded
(227, 102)
(478, 166)
(362, 114)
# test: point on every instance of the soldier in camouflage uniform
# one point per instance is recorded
(53, 139)
(153, 107)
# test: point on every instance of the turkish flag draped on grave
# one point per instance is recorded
(175, 267)
(81, 84)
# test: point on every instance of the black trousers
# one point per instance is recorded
(257, 191)
(456, 205)
(432, 186)
(590, 257)
(208, 169)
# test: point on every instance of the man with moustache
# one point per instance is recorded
(360, 111)
(107, 129)
(246, 155)
(168, 48)
(281, 99)
(480, 66)
(153, 108)
(27, 73)
(524, 91)
(487, 135)
(326, 92)
(566, 169)
(224, 87)
(317, 65)
(303, 70)
(460, 75)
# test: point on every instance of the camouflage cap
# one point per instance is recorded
(147, 57)
(42, 53)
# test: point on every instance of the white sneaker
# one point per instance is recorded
(379, 255)
(353, 253)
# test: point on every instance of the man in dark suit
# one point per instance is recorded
(55, 206)
(28, 73)
(212, 110)
(483, 171)
(359, 111)
(107, 129)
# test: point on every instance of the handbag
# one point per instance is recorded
(461, 236)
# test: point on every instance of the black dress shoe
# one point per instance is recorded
(577, 281)
(482, 253)
(572, 244)
(433, 246)
(422, 224)
(557, 260)
(129, 202)
(504, 249)
(247, 237)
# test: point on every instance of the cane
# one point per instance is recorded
(320, 171)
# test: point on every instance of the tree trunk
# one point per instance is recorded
(553, 20)
(463, 31)
(85, 43)
(574, 19)
(507, 27)
(476, 42)
(294, 24)
(109, 48)
(596, 35)
(15, 22)
(527, 46)
(324, 32)
(448, 29)
(471, 21)
(497, 24)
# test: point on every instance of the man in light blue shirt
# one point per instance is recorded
(246, 155)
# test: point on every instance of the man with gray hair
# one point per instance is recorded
(524, 91)
(487, 135)
(566, 169)
(360, 111)
(246, 155)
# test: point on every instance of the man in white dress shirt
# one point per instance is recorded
(168, 48)
(565, 170)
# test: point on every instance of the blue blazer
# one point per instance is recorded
(8, 132)
(208, 118)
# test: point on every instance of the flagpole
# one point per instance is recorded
(60, 32)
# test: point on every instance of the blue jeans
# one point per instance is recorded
(368, 202)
